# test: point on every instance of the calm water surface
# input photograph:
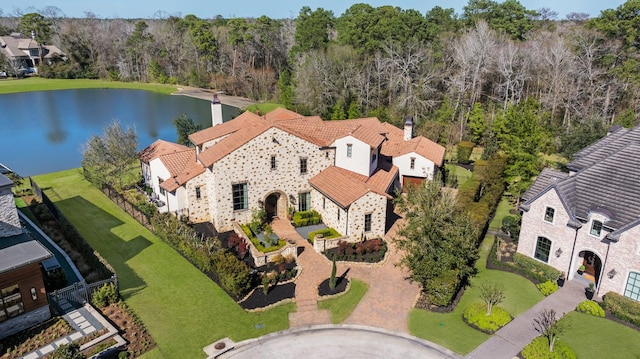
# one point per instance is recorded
(42, 132)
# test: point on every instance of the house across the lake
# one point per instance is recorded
(26, 53)
(347, 170)
(590, 216)
(23, 299)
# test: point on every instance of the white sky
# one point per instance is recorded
(277, 9)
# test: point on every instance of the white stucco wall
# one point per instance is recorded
(251, 163)
(360, 159)
(423, 167)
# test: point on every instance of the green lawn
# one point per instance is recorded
(182, 308)
(449, 330)
(343, 305)
(594, 337)
(502, 211)
(462, 173)
(42, 84)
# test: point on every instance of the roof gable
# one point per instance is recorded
(160, 148)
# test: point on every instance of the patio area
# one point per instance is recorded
(304, 231)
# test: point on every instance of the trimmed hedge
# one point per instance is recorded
(539, 349)
(623, 308)
(327, 233)
(547, 288)
(590, 307)
(476, 316)
(306, 218)
(464, 150)
(538, 270)
(256, 242)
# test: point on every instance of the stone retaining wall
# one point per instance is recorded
(321, 244)
(260, 258)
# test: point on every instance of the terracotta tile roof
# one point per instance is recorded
(345, 187)
(324, 133)
(190, 170)
(420, 145)
(242, 135)
(280, 114)
(176, 162)
(159, 148)
(223, 129)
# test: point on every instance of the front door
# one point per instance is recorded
(271, 206)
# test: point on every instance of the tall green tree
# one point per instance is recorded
(622, 23)
(36, 24)
(184, 127)
(312, 29)
(439, 242)
(106, 157)
(510, 16)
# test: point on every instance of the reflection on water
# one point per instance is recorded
(42, 132)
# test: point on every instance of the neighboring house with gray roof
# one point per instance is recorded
(25, 52)
(590, 216)
(23, 299)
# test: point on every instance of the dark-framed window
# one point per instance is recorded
(162, 190)
(632, 289)
(304, 201)
(303, 165)
(338, 213)
(198, 194)
(11, 304)
(239, 193)
(413, 163)
(596, 228)
(367, 222)
(543, 247)
(374, 156)
(273, 162)
(349, 150)
(548, 214)
(324, 203)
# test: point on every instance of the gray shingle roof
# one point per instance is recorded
(546, 178)
(20, 250)
(604, 148)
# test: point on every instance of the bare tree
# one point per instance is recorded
(492, 294)
(548, 326)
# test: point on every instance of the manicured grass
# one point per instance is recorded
(42, 84)
(449, 330)
(183, 309)
(263, 107)
(502, 211)
(594, 337)
(343, 305)
(462, 173)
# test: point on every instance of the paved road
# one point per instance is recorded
(336, 342)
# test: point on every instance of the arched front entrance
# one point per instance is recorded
(592, 265)
(275, 205)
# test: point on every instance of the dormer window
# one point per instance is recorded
(349, 150)
(548, 214)
(596, 228)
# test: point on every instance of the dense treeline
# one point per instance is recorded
(499, 75)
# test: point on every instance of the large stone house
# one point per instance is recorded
(23, 299)
(590, 216)
(26, 53)
(282, 161)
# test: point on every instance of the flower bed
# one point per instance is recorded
(260, 244)
(368, 251)
(476, 316)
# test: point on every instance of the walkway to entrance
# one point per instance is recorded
(507, 342)
(385, 305)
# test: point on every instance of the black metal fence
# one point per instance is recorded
(127, 206)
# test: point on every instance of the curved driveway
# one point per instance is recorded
(340, 341)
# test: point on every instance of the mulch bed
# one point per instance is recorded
(276, 294)
(325, 290)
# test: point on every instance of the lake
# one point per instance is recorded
(43, 132)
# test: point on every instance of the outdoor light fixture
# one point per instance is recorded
(34, 295)
(612, 273)
(559, 252)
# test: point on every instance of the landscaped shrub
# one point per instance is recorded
(444, 288)
(370, 250)
(539, 349)
(256, 242)
(464, 150)
(623, 308)
(306, 218)
(105, 295)
(233, 274)
(590, 307)
(547, 288)
(536, 269)
(326, 233)
(476, 316)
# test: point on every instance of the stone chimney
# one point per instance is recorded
(216, 110)
(9, 220)
(408, 129)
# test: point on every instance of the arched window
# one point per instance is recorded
(632, 289)
(543, 247)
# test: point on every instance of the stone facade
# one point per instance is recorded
(9, 221)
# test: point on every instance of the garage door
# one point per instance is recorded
(407, 180)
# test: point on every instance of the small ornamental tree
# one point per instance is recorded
(332, 280)
(492, 294)
(547, 325)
